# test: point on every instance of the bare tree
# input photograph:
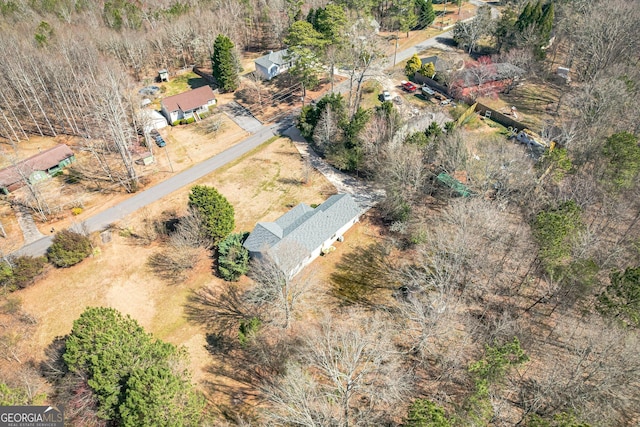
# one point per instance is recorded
(275, 287)
(347, 373)
(327, 132)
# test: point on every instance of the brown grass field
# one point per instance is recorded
(261, 186)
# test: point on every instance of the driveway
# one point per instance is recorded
(101, 220)
(363, 193)
(242, 117)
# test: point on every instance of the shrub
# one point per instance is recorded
(26, 269)
(21, 273)
(233, 258)
(68, 248)
(176, 123)
(76, 211)
(6, 276)
(189, 120)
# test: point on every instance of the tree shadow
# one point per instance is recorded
(196, 82)
(363, 275)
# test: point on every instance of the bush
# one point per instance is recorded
(22, 273)
(26, 269)
(176, 123)
(189, 120)
(233, 258)
(76, 211)
(68, 248)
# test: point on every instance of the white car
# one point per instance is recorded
(386, 96)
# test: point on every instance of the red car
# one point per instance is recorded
(408, 86)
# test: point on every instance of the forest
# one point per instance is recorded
(518, 305)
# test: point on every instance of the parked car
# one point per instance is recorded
(386, 96)
(160, 142)
(153, 133)
(409, 86)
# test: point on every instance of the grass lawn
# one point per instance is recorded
(182, 83)
(534, 101)
(371, 91)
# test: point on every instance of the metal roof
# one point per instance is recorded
(42, 161)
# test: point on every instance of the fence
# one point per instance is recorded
(497, 116)
(208, 77)
(423, 80)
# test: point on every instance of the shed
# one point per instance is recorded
(163, 75)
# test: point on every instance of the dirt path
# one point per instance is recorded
(27, 225)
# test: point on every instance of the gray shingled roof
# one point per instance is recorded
(271, 58)
(303, 227)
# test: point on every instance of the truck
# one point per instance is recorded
(409, 86)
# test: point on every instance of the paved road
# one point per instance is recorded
(101, 220)
(261, 133)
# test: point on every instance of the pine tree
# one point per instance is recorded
(224, 64)
(426, 15)
(525, 19)
(546, 23)
(216, 211)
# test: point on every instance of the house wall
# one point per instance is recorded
(316, 253)
(263, 72)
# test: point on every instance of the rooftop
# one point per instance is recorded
(278, 58)
(303, 227)
(42, 161)
(190, 100)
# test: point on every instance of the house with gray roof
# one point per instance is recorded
(298, 237)
(272, 64)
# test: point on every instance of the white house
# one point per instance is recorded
(272, 64)
(188, 105)
(298, 237)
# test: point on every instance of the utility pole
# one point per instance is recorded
(167, 153)
(395, 52)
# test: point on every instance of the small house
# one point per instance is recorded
(301, 235)
(188, 105)
(273, 64)
(36, 168)
(163, 75)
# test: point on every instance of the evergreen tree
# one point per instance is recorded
(424, 413)
(216, 211)
(526, 17)
(224, 64)
(546, 23)
(123, 363)
(621, 299)
(426, 14)
(233, 258)
(622, 152)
